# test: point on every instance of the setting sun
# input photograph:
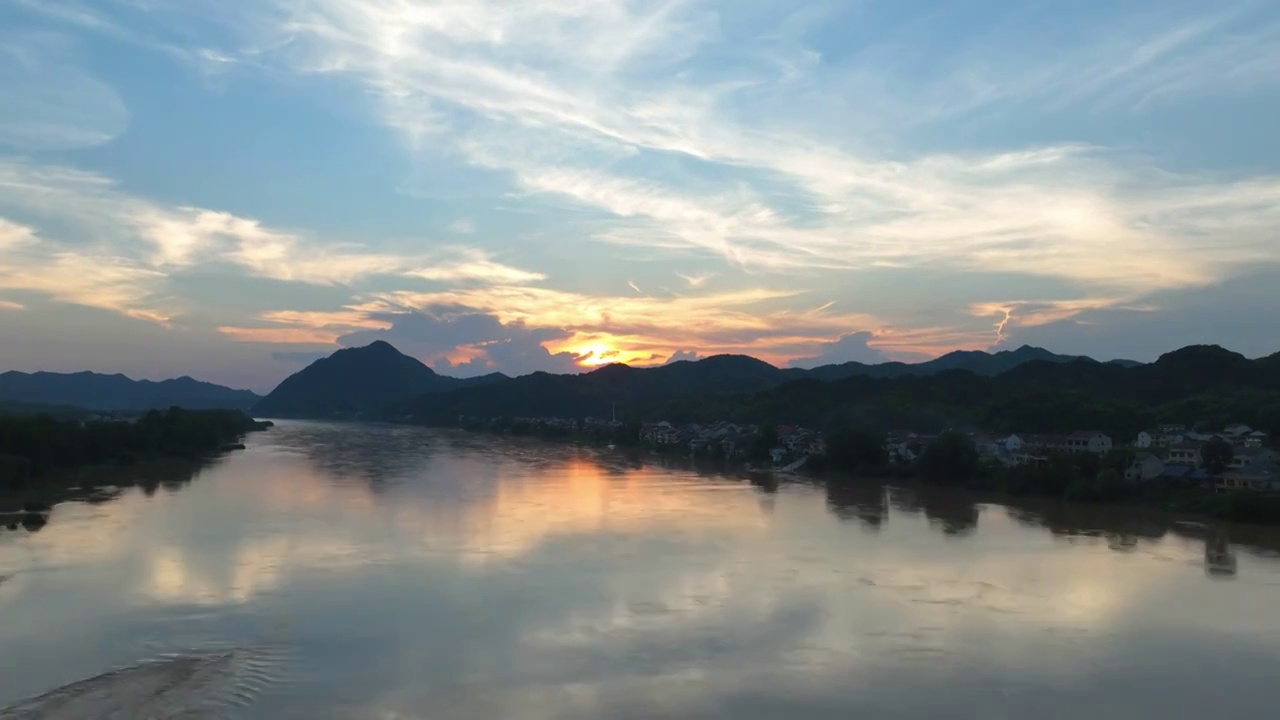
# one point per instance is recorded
(597, 355)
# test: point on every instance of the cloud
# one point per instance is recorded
(308, 327)
(631, 284)
(853, 347)
(741, 321)
(695, 281)
(683, 355)
(462, 341)
(698, 132)
(49, 102)
(502, 81)
(1034, 313)
(463, 226)
(132, 246)
(11, 306)
(459, 264)
(299, 357)
(13, 235)
(96, 279)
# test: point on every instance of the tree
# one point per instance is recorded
(1216, 455)
(765, 442)
(853, 450)
(951, 457)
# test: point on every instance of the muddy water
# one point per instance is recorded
(340, 571)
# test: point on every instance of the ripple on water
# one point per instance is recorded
(215, 684)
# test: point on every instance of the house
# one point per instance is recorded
(1013, 443)
(777, 455)
(1028, 459)
(1043, 443)
(1187, 454)
(1238, 430)
(1145, 439)
(1247, 456)
(798, 441)
(663, 433)
(817, 446)
(987, 445)
(1262, 474)
(1089, 441)
(1255, 439)
(1144, 468)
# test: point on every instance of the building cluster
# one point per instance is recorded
(1172, 452)
(1169, 453)
(732, 440)
(569, 425)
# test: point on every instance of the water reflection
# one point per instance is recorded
(1219, 556)
(863, 501)
(474, 577)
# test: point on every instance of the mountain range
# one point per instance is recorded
(1025, 390)
(1029, 389)
(379, 381)
(95, 391)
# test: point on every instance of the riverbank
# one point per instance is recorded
(44, 460)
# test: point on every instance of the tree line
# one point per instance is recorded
(33, 446)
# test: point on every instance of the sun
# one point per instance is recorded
(596, 355)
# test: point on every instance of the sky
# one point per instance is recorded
(229, 189)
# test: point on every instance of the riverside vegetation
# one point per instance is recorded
(36, 447)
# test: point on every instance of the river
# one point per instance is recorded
(381, 573)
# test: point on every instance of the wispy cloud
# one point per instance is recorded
(13, 235)
(11, 306)
(49, 102)
(460, 264)
(1034, 313)
(1066, 211)
(463, 226)
(92, 277)
(130, 246)
(695, 281)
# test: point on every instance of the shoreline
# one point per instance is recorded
(1193, 505)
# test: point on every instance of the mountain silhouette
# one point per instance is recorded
(974, 361)
(357, 382)
(379, 381)
(95, 391)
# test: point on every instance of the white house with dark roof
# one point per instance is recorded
(1187, 454)
(1145, 467)
(1090, 441)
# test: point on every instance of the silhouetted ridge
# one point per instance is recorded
(357, 382)
(96, 391)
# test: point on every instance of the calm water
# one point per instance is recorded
(368, 572)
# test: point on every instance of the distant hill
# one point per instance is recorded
(974, 361)
(1205, 385)
(94, 391)
(358, 382)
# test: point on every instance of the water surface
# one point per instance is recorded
(345, 571)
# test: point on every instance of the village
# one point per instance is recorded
(1172, 454)
(1169, 453)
